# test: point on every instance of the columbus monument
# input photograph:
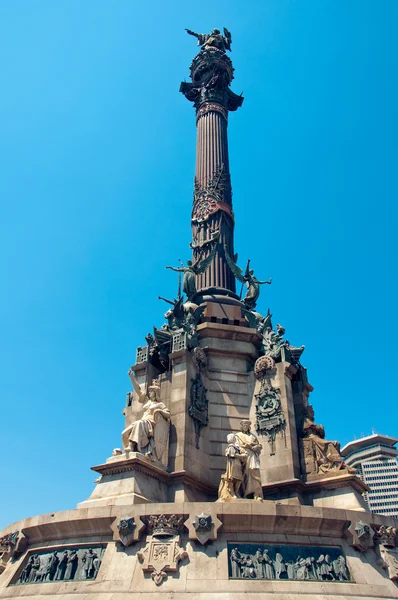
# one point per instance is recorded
(224, 485)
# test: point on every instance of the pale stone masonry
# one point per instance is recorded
(169, 517)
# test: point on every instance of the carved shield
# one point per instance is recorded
(161, 436)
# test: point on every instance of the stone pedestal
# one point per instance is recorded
(128, 479)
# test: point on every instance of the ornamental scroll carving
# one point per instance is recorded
(210, 199)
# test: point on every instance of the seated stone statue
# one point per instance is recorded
(325, 454)
(150, 434)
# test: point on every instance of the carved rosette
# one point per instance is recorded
(263, 367)
(203, 527)
(361, 535)
(127, 530)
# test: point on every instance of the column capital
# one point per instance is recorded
(211, 72)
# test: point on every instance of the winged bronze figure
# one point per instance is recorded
(248, 278)
(190, 270)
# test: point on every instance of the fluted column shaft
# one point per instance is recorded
(211, 147)
(211, 73)
(212, 163)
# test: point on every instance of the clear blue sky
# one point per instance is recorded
(97, 151)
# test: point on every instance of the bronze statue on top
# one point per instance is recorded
(215, 39)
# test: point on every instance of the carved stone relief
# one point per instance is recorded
(321, 457)
(9, 544)
(303, 563)
(270, 418)
(199, 405)
(385, 540)
(63, 564)
(210, 199)
(162, 552)
(388, 559)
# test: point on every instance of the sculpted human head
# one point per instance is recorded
(153, 392)
(245, 425)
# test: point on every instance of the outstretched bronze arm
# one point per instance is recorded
(190, 32)
(180, 269)
(269, 282)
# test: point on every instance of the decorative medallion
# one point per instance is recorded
(263, 365)
(203, 528)
(360, 535)
(270, 418)
(127, 530)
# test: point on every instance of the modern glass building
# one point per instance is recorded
(375, 458)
